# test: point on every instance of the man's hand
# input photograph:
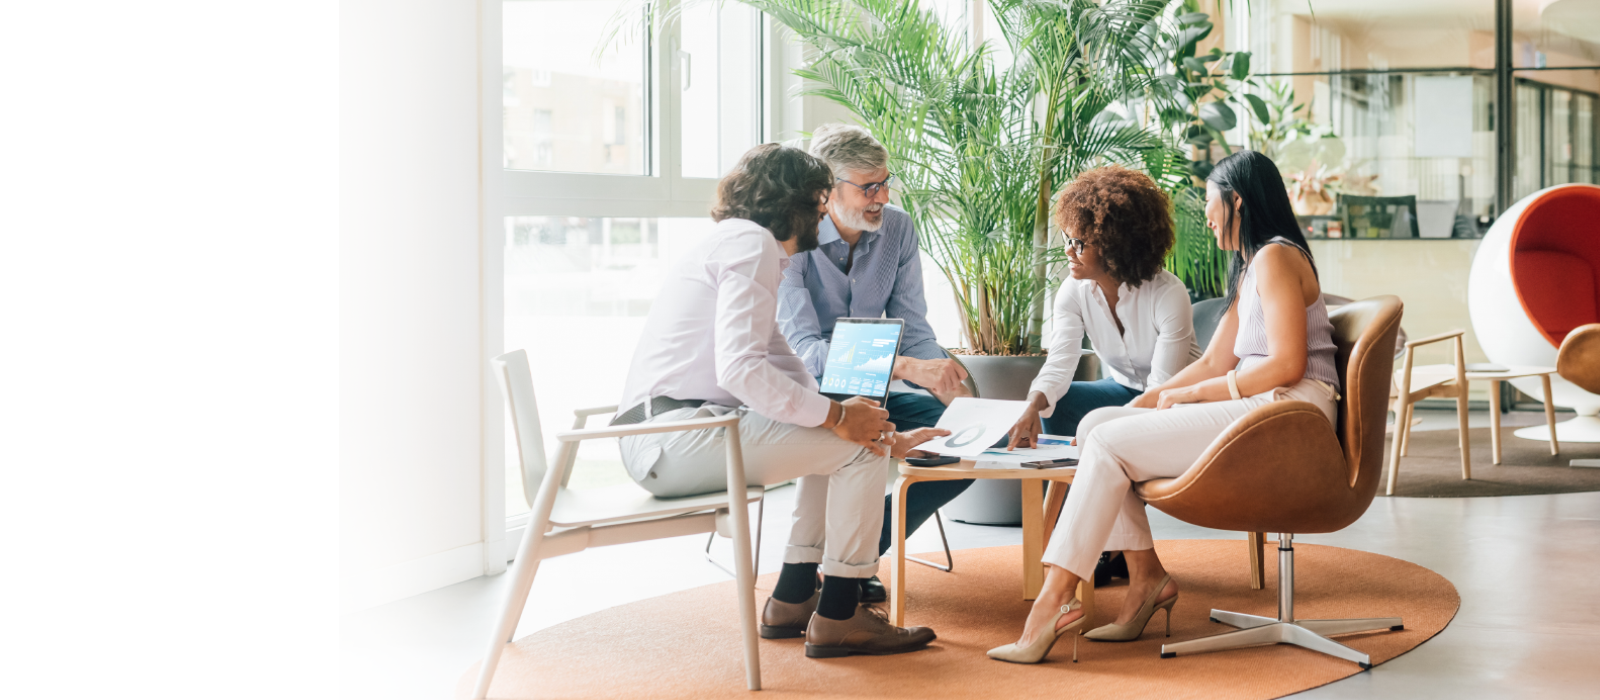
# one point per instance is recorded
(865, 424)
(937, 376)
(905, 443)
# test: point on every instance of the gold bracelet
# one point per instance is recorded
(1233, 384)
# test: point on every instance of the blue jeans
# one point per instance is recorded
(1082, 398)
(910, 411)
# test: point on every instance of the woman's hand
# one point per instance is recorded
(1172, 397)
(1148, 399)
(901, 445)
(1026, 432)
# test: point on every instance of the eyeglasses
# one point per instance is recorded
(1076, 244)
(872, 189)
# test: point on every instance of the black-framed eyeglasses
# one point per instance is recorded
(1076, 244)
(872, 189)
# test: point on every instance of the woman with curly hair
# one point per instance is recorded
(1274, 343)
(1137, 315)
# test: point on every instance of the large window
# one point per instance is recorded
(613, 134)
(1406, 92)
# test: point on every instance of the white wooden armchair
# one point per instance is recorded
(564, 521)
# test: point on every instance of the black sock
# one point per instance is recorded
(840, 596)
(796, 583)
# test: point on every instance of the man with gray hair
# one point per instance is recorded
(867, 265)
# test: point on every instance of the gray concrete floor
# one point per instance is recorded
(1525, 566)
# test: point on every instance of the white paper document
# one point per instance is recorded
(974, 425)
(1051, 447)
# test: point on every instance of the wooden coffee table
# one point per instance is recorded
(1494, 379)
(1037, 524)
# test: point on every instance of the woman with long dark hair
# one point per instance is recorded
(1274, 343)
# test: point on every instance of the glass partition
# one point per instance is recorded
(577, 291)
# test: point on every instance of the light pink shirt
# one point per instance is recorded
(713, 332)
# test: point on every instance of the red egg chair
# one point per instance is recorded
(1536, 278)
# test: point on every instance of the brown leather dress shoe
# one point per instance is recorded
(782, 620)
(866, 632)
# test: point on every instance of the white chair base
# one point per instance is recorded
(1580, 429)
(1255, 630)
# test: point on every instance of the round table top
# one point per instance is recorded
(967, 469)
(1512, 371)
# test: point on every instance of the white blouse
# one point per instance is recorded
(1159, 340)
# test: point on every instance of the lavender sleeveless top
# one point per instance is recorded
(1250, 345)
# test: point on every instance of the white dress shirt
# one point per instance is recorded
(713, 332)
(1158, 340)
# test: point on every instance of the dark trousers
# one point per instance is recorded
(910, 411)
(1083, 397)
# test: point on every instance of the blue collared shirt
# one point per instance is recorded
(884, 281)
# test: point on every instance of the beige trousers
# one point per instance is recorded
(838, 509)
(1122, 446)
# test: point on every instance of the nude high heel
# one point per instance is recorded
(1035, 652)
(1135, 627)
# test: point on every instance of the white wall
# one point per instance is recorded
(410, 356)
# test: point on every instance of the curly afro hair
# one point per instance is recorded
(1124, 215)
(777, 187)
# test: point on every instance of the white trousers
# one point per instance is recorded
(838, 511)
(1121, 446)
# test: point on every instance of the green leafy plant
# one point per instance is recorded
(982, 139)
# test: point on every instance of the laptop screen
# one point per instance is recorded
(861, 357)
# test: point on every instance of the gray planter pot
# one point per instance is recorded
(999, 502)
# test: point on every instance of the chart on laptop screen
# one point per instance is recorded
(861, 358)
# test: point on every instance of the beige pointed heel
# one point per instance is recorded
(1135, 627)
(1035, 652)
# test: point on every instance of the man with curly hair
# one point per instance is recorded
(866, 264)
(711, 347)
(1118, 225)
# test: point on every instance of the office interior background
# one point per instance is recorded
(257, 260)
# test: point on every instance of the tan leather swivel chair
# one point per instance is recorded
(1282, 468)
(1578, 361)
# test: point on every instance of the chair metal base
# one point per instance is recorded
(949, 561)
(1255, 630)
(1309, 634)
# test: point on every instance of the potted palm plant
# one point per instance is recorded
(982, 135)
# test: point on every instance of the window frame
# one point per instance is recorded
(663, 192)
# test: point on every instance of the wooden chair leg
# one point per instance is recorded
(1405, 430)
(1550, 414)
(1466, 438)
(1258, 574)
(1494, 419)
(1401, 414)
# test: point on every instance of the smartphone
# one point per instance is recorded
(1051, 463)
(934, 461)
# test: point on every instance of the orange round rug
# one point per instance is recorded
(687, 644)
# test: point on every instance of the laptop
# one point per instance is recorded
(861, 358)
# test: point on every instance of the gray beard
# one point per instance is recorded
(855, 219)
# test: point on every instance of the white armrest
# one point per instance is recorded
(730, 420)
(582, 415)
